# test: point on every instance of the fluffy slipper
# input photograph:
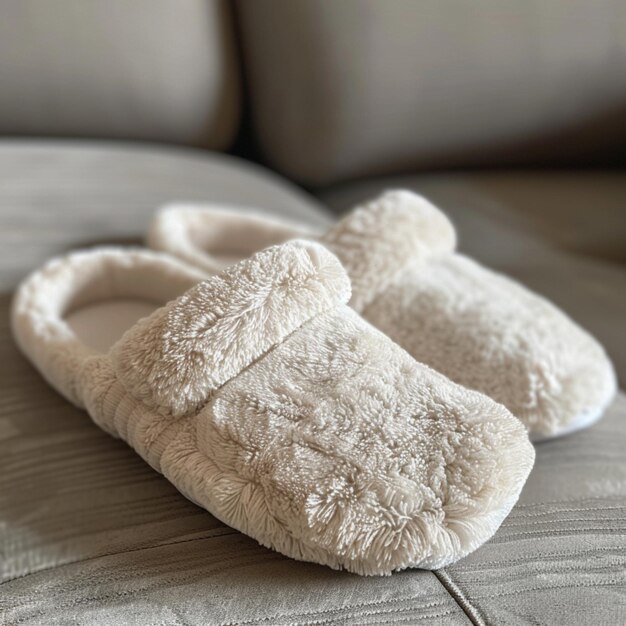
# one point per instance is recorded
(479, 328)
(268, 401)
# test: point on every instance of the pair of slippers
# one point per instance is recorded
(361, 398)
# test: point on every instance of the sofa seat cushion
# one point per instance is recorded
(56, 196)
(90, 534)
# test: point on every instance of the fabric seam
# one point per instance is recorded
(212, 535)
(458, 596)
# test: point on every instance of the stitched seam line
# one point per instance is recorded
(458, 596)
(337, 611)
(347, 619)
(592, 500)
(523, 560)
(212, 535)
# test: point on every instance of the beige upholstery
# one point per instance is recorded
(146, 69)
(352, 88)
(56, 196)
(581, 211)
(89, 534)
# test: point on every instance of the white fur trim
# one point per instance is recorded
(198, 235)
(63, 284)
(174, 359)
(379, 239)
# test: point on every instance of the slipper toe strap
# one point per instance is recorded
(377, 240)
(174, 359)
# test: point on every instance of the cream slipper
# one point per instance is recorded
(477, 327)
(265, 399)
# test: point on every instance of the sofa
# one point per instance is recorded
(509, 116)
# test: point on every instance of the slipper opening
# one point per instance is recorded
(79, 305)
(214, 238)
(112, 291)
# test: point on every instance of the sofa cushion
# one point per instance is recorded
(147, 69)
(55, 196)
(362, 87)
(91, 534)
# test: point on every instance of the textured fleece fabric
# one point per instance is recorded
(265, 399)
(479, 328)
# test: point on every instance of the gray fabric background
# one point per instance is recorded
(361, 87)
(146, 69)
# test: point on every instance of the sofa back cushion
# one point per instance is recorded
(147, 69)
(358, 87)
